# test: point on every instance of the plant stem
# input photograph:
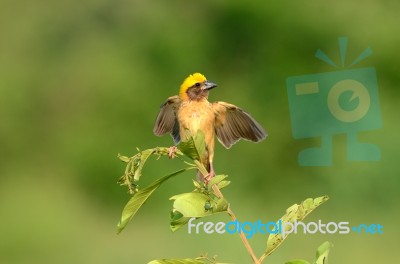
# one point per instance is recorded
(246, 243)
(264, 256)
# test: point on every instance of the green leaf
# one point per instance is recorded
(322, 253)
(177, 261)
(201, 168)
(294, 213)
(140, 198)
(218, 180)
(177, 220)
(194, 204)
(297, 261)
(223, 184)
(200, 143)
(194, 147)
(220, 205)
(321, 256)
(197, 184)
(144, 155)
(135, 164)
(190, 204)
(123, 158)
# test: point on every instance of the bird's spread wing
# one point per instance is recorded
(166, 120)
(232, 123)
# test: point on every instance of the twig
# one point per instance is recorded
(246, 243)
(265, 255)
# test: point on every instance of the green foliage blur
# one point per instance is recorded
(81, 81)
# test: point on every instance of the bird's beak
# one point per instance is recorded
(209, 85)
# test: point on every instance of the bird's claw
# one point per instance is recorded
(172, 152)
(210, 175)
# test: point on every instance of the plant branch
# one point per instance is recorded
(264, 256)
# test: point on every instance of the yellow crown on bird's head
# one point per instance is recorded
(189, 82)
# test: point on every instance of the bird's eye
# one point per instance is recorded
(197, 84)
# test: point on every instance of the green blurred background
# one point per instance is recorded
(81, 81)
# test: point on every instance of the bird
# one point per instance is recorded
(183, 115)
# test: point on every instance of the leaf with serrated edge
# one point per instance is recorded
(295, 212)
(140, 198)
(322, 253)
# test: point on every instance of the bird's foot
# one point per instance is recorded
(210, 175)
(172, 152)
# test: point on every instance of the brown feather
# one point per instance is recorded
(194, 116)
(166, 121)
(232, 124)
